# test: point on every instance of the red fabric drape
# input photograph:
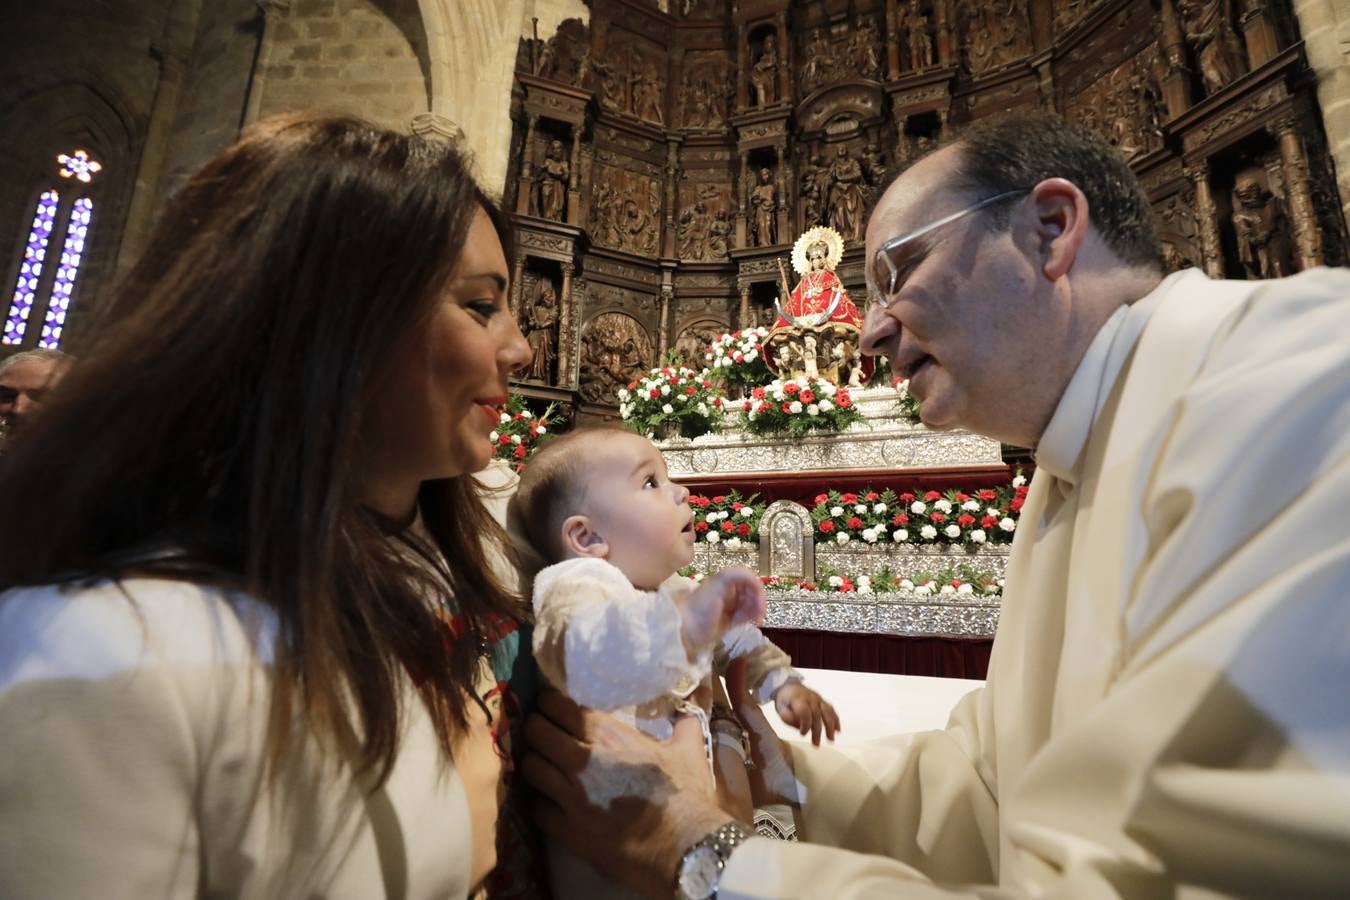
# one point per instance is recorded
(887, 653)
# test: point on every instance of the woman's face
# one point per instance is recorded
(439, 402)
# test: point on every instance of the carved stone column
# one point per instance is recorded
(1206, 217)
(567, 315)
(892, 40)
(1176, 83)
(784, 59)
(742, 200)
(1258, 33)
(668, 249)
(663, 321)
(517, 286)
(526, 168)
(743, 311)
(944, 33)
(742, 74)
(575, 215)
(1298, 191)
(436, 127)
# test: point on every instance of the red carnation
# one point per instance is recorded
(871, 496)
(849, 498)
(827, 526)
(727, 527)
(907, 498)
(961, 498)
(1016, 505)
(854, 522)
(746, 406)
(520, 453)
(987, 495)
(503, 439)
(700, 527)
(738, 506)
(965, 520)
(707, 383)
(690, 391)
(743, 530)
(717, 401)
(787, 407)
(632, 385)
(989, 521)
(720, 498)
(937, 518)
(821, 499)
(931, 496)
(900, 519)
(654, 393)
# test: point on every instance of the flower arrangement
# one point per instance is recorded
(909, 404)
(797, 405)
(518, 432)
(959, 581)
(671, 400)
(737, 358)
(985, 516)
(726, 519)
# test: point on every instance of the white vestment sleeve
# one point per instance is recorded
(606, 644)
(767, 666)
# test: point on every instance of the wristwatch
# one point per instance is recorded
(702, 864)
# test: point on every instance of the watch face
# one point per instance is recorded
(698, 873)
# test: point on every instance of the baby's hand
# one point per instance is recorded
(732, 597)
(805, 710)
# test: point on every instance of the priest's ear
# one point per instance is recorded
(1061, 224)
(580, 539)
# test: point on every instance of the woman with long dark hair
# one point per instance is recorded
(248, 611)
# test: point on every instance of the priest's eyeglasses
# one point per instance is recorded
(886, 271)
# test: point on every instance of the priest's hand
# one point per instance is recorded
(624, 802)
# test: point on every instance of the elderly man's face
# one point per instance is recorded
(962, 324)
(22, 387)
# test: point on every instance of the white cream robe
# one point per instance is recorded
(1167, 712)
(132, 728)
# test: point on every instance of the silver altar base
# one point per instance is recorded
(881, 440)
(900, 613)
(905, 560)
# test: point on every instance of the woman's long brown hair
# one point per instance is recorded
(215, 412)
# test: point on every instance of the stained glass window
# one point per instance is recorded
(30, 268)
(50, 296)
(76, 231)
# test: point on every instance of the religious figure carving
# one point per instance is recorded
(550, 184)
(612, 79)
(815, 187)
(764, 202)
(1262, 229)
(814, 58)
(705, 92)
(693, 342)
(647, 95)
(1208, 26)
(874, 164)
(862, 49)
(1173, 259)
(692, 233)
(539, 324)
(846, 195)
(915, 28)
(614, 347)
(817, 316)
(719, 235)
(764, 75)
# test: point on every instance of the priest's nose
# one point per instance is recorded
(880, 331)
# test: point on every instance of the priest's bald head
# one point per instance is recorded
(994, 261)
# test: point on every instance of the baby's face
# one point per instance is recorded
(637, 510)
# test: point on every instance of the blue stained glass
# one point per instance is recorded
(64, 285)
(16, 322)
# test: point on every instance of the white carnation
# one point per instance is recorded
(836, 581)
(747, 512)
(860, 509)
(928, 532)
(836, 510)
(702, 409)
(494, 436)
(841, 537)
(711, 518)
(1019, 481)
(667, 408)
(906, 584)
(681, 398)
(971, 506)
(665, 390)
(899, 535)
(826, 406)
(947, 590)
(870, 535)
(795, 406)
(623, 395)
(505, 418)
(966, 589)
(879, 508)
(713, 537)
(918, 507)
(952, 531)
(813, 410)
(977, 536)
(515, 439)
(943, 506)
(543, 430)
(1007, 524)
(733, 542)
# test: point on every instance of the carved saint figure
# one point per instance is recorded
(764, 202)
(692, 234)
(874, 164)
(817, 314)
(550, 183)
(719, 235)
(846, 196)
(815, 184)
(915, 28)
(815, 57)
(863, 49)
(542, 317)
(647, 95)
(1262, 229)
(1208, 26)
(764, 75)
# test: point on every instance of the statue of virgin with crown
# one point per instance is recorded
(818, 326)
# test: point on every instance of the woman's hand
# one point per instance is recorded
(624, 802)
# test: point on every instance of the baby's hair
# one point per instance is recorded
(551, 489)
